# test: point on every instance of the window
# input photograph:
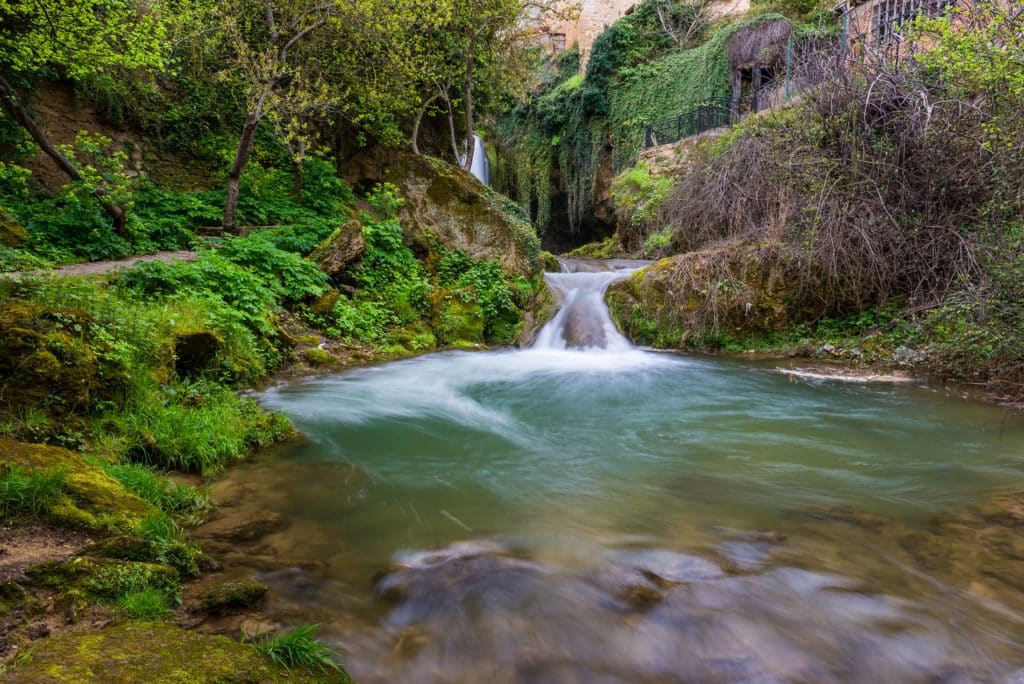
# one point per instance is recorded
(558, 43)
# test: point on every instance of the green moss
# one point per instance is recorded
(150, 652)
(233, 594)
(316, 357)
(93, 501)
(173, 553)
(102, 579)
(455, 320)
(12, 233)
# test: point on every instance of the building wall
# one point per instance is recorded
(595, 15)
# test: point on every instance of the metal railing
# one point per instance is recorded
(711, 113)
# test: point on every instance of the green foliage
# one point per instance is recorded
(638, 197)
(637, 74)
(393, 283)
(146, 604)
(298, 648)
(485, 284)
(29, 493)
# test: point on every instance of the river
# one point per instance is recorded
(585, 511)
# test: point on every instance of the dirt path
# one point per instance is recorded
(101, 267)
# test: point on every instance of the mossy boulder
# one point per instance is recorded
(447, 207)
(12, 233)
(233, 594)
(344, 246)
(456, 319)
(92, 500)
(700, 298)
(196, 351)
(175, 554)
(542, 308)
(317, 357)
(48, 356)
(144, 652)
(102, 579)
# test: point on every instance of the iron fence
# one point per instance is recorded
(711, 113)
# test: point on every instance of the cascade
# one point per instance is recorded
(481, 167)
(583, 321)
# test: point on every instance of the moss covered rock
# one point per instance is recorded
(102, 579)
(12, 233)
(49, 357)
(542, 308)
(447, 206)
(701, 298)
(92, 501)
(344, 246)
(233, 594)
(455, 318)
(141, 652)
(175, 554)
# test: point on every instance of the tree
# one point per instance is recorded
(261, 45)
(483, 50)
(78, 39)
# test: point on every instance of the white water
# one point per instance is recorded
(583, 322)
(481, 167)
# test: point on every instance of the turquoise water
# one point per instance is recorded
(526, 495)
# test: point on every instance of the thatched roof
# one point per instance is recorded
(760, 46)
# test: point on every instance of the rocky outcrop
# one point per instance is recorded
(696, 299)
(446, 207)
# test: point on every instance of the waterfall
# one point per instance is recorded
(481, 167)
(583, 321)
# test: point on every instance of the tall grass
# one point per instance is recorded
(158, 489)
(30, 493)
(147, 604)
(298, 648)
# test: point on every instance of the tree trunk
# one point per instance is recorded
(470, 146)
(298, 160)
(21, 115)
(451, 131)
(252, 121)
(419, 120)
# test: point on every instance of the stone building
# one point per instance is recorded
(595, 15)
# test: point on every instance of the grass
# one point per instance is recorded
(30, 493)
(158, 489)
(299, 649)
(146, 604)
